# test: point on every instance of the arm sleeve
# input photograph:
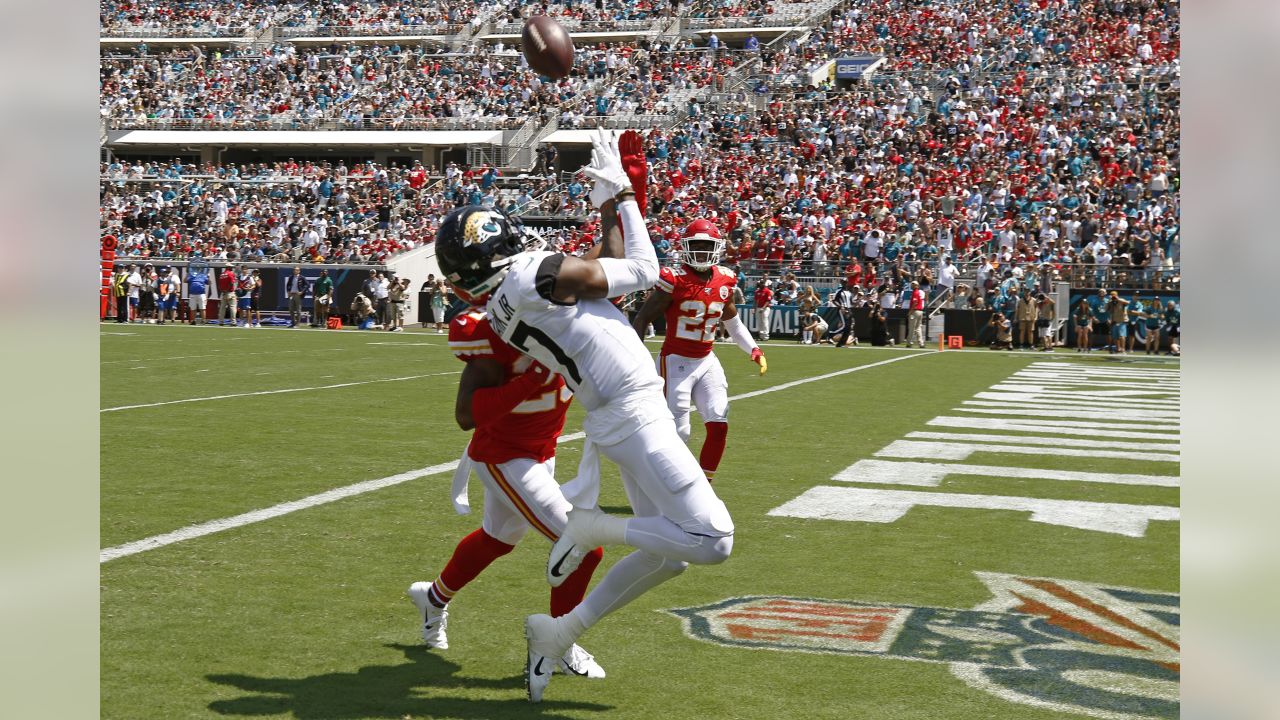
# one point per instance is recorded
(739, 333)
(639, 269)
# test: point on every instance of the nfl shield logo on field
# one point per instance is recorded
(1070, 646)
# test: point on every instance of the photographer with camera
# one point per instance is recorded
(1003, 330)
(879, 328)
(397, 297)
(361, 310)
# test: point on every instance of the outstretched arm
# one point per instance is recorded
(610, 273)
(610, 245)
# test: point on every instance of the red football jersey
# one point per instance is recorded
(695, 309)
(530, 431)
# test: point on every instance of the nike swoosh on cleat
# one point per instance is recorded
(555, 569)
(573, 670)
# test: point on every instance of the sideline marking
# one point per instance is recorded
(1141, 413)
(1086, 415)
(1060, 401)
(1102, 442)
(253, 516)
(886, 506)
(961, 451)
(922, 474)
(276, 392)
(1090, 394)
(1058, 428)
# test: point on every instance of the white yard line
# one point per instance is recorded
(276, 392)
(208, 528)
(220, 354)
(837, 373)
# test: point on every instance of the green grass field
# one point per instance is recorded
(303, 614)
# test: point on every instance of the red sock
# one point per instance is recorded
(474, 553)
(713, 447)
(574, 588)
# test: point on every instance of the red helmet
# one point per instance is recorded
(708, 248)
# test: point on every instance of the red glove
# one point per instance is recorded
(491, 404)
(631, 149)
(757, 357)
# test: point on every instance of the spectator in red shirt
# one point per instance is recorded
(763, 300)
(915, 315)
(227, 296)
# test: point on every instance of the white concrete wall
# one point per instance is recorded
(416, 265)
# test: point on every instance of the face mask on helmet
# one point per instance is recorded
(701, 253)
(475, 247)
(701, 246)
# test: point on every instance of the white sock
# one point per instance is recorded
(627, 580)
(595, 527)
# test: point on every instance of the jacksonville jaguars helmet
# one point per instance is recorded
(475, 246)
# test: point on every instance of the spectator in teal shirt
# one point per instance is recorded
(1152, 322)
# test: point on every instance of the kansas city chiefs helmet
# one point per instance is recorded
(474, 247)
(701, 246)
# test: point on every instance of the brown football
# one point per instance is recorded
(547, 47)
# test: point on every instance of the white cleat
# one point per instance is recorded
(434, 620)
(567, 552)
(547, 645)
(580, 662)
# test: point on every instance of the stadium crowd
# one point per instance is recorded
(298, 211)
(1009, 140)
(195, 18)
(392, 86)
(190, 19)
(969, 36)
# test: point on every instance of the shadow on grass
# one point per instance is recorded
(385, 691)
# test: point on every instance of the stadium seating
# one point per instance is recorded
(1040, 132)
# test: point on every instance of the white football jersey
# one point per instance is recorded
(589, 344)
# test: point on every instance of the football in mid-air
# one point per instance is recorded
(547, 47)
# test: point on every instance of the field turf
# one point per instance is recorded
(303, 615)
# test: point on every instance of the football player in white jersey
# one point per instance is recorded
(553, 307)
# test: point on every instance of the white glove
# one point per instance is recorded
(605, 169)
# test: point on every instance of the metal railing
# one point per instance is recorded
(615, 122)
(200, 31)
(574, 25)
(317, 30)
(735, 23)
(484, 122)
(273, 123)
(326, 121)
